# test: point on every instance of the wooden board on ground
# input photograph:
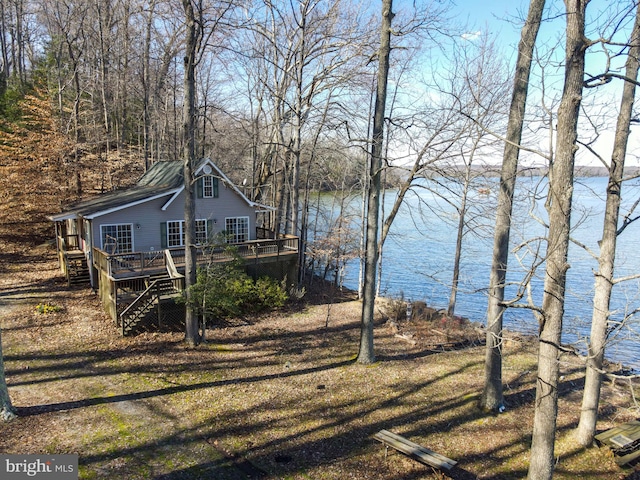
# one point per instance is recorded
(624, 442)
(415, 451)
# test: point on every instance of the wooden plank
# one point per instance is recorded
(418, 452)
(424, 449)
(414, 450)
(624, 459)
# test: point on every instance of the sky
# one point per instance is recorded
(493, 15)
(502, 18)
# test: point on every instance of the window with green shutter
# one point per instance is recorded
(209, 187)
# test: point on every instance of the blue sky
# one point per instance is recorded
(502, 18)
(493, 13)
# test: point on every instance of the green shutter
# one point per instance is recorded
(209, 229)
(215, 187)
(200, 187)
(163, 234)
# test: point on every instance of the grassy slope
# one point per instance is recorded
(278, 394)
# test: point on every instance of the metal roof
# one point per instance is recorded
(163, 174)
(162, 179)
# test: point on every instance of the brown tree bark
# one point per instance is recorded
(559, 203)
(192, 335)
(604, 276)
(7, 412)
(366, 353)
(146, 87)
(492, 396)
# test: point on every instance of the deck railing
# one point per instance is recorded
(67, 243)
(137, 309)
(137, 263)
(128, 263)
(127, 289)
(252, 249)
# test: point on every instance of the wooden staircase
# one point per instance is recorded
(144, 310)
(77, 270)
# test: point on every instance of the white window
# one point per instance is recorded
(117, 238)
(209, 187)
(201, 232)
(176, 233)
(237, 229)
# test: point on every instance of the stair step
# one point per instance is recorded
(77, 271)
(137, 316)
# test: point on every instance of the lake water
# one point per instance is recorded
(418, 258)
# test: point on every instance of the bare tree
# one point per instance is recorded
(334, 240)
(604, 277)
(479, 91)
(302, 56)
(66, 26)
(366, 353)
(5, 65)
(199, 32)
(559, 204)
(146, 85)
(7, 412)
(492, 397)
(193, 37)
(14, 42)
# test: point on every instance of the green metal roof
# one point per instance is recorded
(163, 178)
(163, 174)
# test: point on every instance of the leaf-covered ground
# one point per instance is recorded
(274, 397)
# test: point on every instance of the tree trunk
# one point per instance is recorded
(298, 123)
(192, 335)
(104, 74)
(7, 412)
(20, 41)
(492, 397)
(5, 70)
(457, 257)
(146, 87)
(366, 353)
(604, 277)
(559, 207)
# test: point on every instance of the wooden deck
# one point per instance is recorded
(151, 263)
(120, 279)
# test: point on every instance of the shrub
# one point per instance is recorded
(270, 293)
(225, 291)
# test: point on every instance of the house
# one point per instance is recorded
(129, 241)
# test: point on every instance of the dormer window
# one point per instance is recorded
(208, 187)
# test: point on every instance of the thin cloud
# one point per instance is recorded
(471, 36)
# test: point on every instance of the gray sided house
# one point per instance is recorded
(129, 244)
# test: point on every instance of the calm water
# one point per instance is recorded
(418, 259)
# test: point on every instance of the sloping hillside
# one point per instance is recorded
(42, 169)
